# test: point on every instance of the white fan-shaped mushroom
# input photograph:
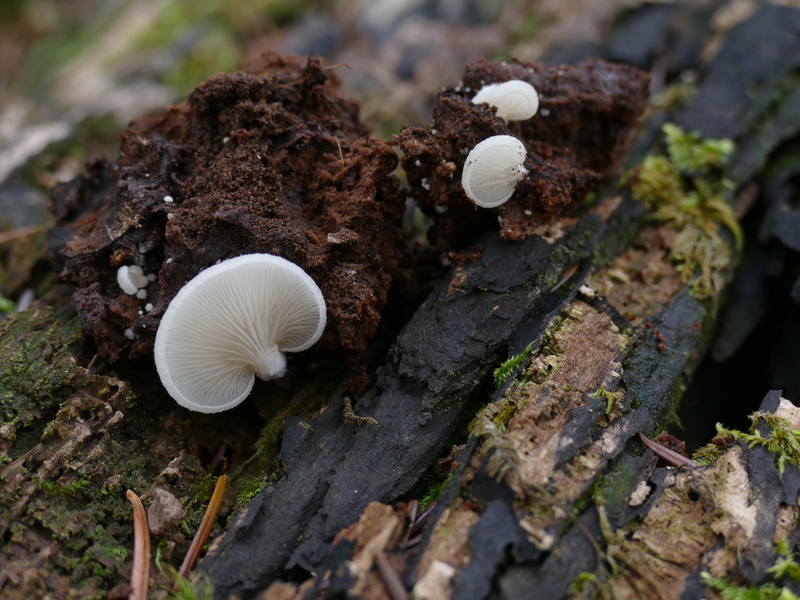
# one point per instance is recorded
(515, 100)
(492, 170)
(233, 322)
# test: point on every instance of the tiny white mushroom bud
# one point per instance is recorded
(233, 322)
(493, 169)
(129, 333)
(131, 278)
(148, 307)
(141, 294)
(168, 199)
(515, 100)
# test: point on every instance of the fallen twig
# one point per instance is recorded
(391, 579)
(140, 574)
(18, 234)
(205, 526)
(670, 456)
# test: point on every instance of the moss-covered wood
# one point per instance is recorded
(549, 492)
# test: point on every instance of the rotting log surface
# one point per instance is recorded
(437, 373)
(552, 484)
(476, 542)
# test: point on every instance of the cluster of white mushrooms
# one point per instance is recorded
(495, 165)
(232, 323)
(132, 280)
(235, 320)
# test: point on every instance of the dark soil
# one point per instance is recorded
(587, 115)
(272, 161)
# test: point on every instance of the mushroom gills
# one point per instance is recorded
(492, 170)
(233, 322)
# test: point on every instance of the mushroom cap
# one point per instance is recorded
(492, 170)
(131, 279)
(515, 100)
(232, 322)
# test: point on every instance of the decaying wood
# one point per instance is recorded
(554, 494)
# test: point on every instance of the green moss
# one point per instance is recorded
(433, 492)
(611, 398)
(687, 191)
(582, 583)
(63, 492)
(689, 152)
(496, 445)
(36, 362)
(503, 372)
(250, 486)
(784, 441)
(730, 591)
(198, 586)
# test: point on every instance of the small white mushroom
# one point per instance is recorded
(131, 278)
(515, 100)
(492, 170)
(233, 322)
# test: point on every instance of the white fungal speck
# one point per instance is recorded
(493, 169)
(226, 139)
(167, 198)
(169, 260)
(515, 100)
(170, 216)
(129, 333)
(441, 209)
(151, 277)
(141, 313)
(131, 278)
(148, 307)
(141, 294)
(528, 213)
(545, 112)
(424, 183)
(417, 163)
(434, 131)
